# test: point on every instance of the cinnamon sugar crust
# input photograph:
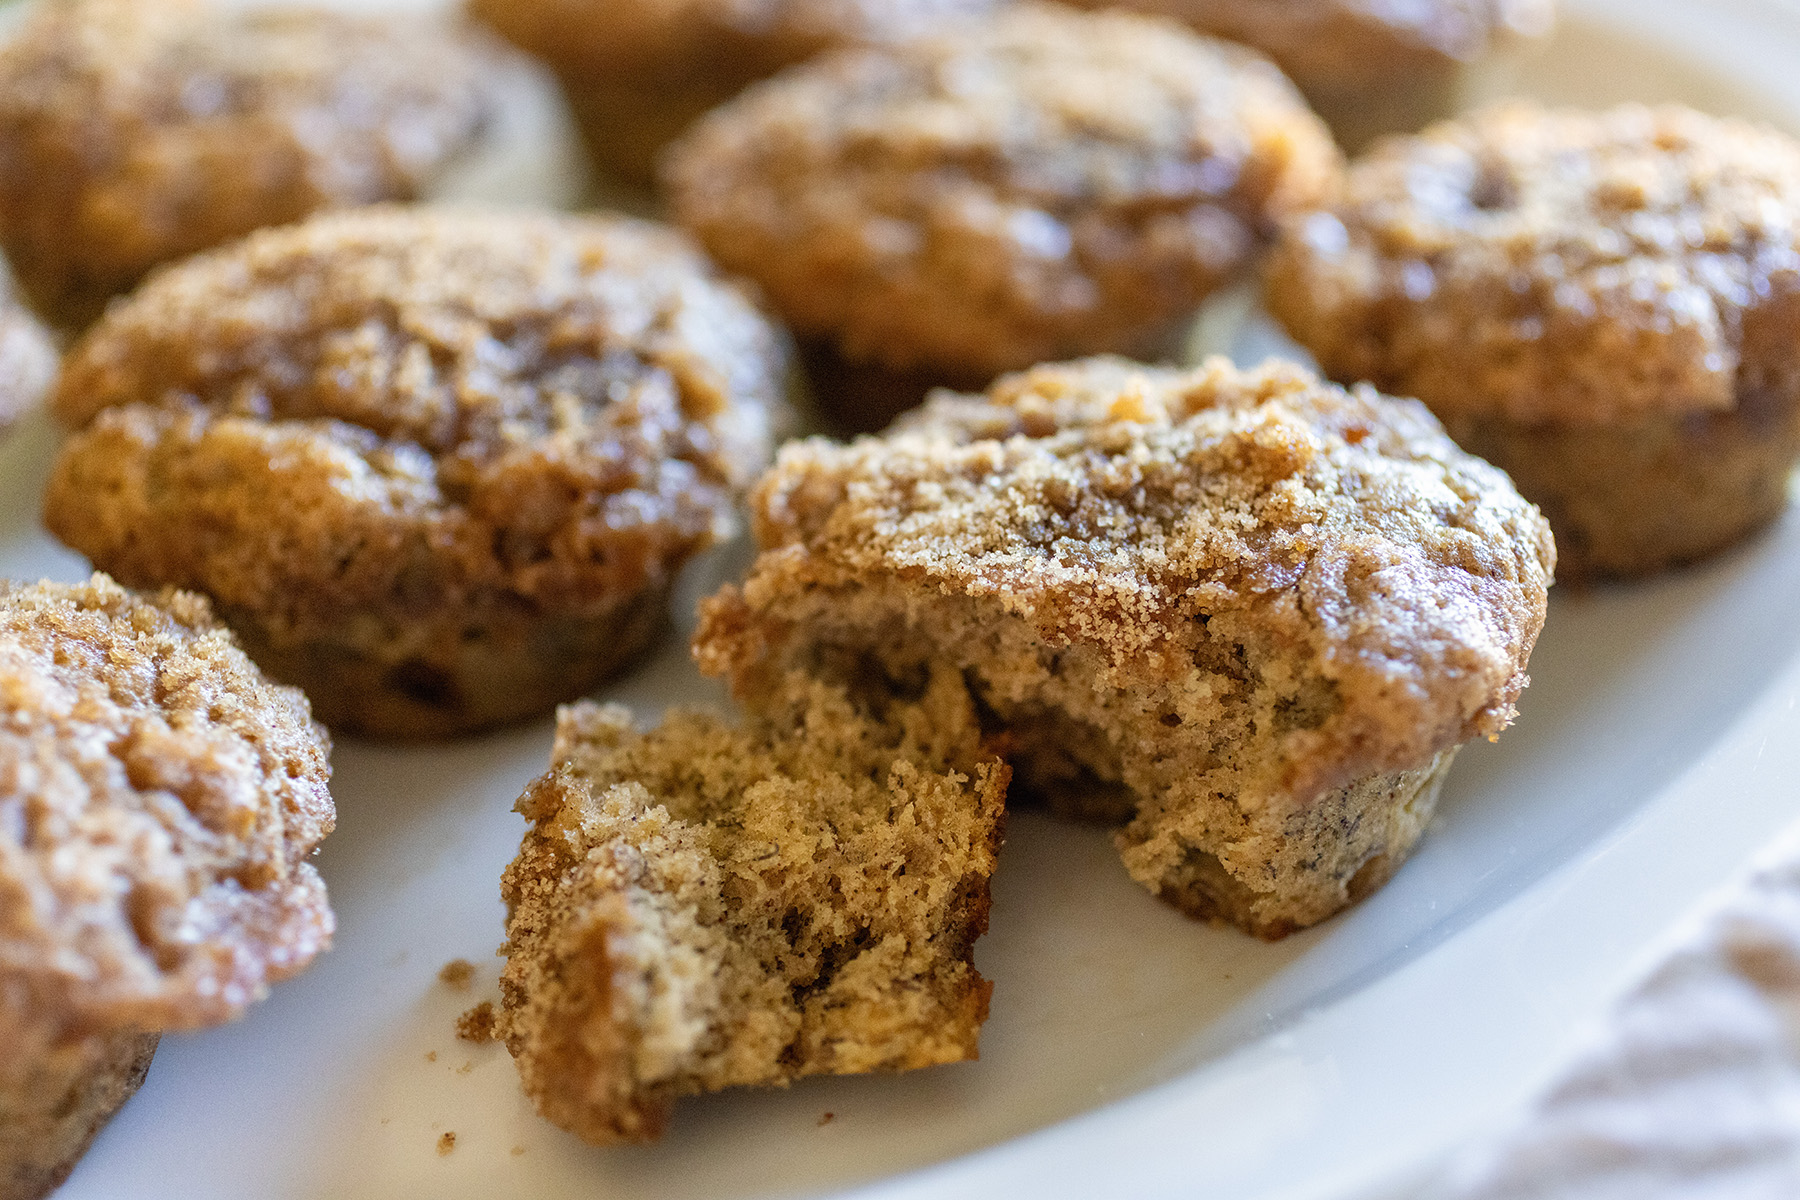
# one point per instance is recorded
(159, 799)
(133, 133)
(439, 467)
(1249, 610)
(1604, 304)
(1040, 184)
(710, 905)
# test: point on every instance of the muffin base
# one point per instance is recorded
(1405, 104)
(1389, 813)
(856, 397)
(1634, 499)
(59, 1105)
(500, 674)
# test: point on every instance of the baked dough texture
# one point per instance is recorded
(159, 799)
(1039, 185)
(1367, 68)
(439, 468)
(711, 905)
(135, 132)
(1248, 613)
(1605, 304)
(638, 72)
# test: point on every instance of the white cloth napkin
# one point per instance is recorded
(1690, 1088)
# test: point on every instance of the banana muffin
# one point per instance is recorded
(1249, 613)
(1368, 69)
(438, 468)
(710, 905)
(638, 72)
(159, 799)
(133, 133)
(27, 355)
(1606, 305)
(1043, 184)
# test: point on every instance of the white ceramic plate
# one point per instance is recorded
(1129, 1051)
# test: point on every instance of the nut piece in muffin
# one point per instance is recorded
(1368, 69)
(708, 906)
(134, 133)
(437, 468)
(1250, 614)
(1044, 184)
(638, 72)
(1605, 305)
(159, 799)
(28, 355)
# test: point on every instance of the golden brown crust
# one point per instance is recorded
(420, 448)
(51, 1113)
(638, 72)
(159, 799)
(1041, 184)
(133, 133)
(1229, 593)
(707, 906)
(1553, 267)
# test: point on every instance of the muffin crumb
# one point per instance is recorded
(477, 1024)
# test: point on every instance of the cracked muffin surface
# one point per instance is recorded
(1249, 611)
(1605, 303)
(133, 133)
(437, 467)
(637, 72)
(159, 799)
(1037, 185)
(713, 904)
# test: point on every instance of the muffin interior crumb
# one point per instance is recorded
(708, 905)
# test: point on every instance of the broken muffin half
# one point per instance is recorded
(711, 905)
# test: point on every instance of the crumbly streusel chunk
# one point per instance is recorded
(1252, 611)
(707, 905)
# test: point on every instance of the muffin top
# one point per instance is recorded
(1040, 184)
(1113, 506)
(674, 36)
(132, 133)
(158, 800)
(1356, 43)
(27, 355)
(406, 415)
(1556, 267)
